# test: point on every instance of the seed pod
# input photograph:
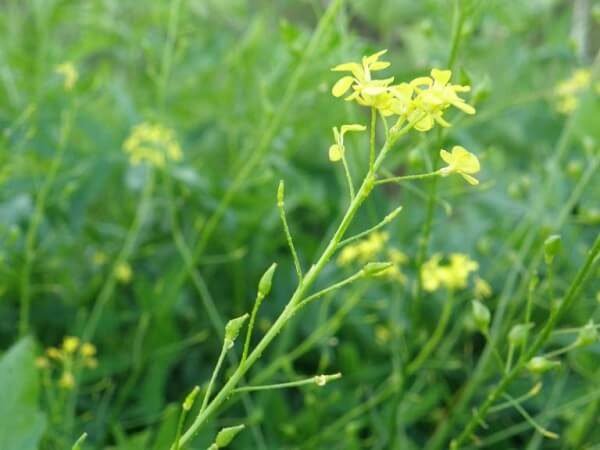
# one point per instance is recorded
(539, 365)
(481, 315)
(189, 400)
(518, 333)
(551, 247)
(264, 285)
(232, 329)
(226, 435)
(376, 268)
(587, 335)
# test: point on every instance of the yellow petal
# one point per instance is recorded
(421, 81)
(341, 86)
(441, 76)
(464, 107)
(464, 160)
(471, 180)
(425, 124)
(379, 65)
(335, 153)
(446, 156)
(374, 57)
(353, 67)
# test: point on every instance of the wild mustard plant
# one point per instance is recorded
(417, 105)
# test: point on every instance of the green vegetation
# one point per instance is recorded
(191, 259)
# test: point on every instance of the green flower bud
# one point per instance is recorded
(226, 435)
(191, 397)
(264, 285)
(232, 329)
(481, 315)
(539, 365)
(587, 335)
(280, 193)
(518, 333)
(376, 268)
(551, 247)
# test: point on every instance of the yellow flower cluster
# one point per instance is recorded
(123, 272)
(69, 73)
(71, 354)
(421, 101)
(338, 150)
(368, 249)
(462, 162)
(452, 276)
(567, 90)
(152, 143)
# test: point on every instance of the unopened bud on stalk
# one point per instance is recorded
(232, 329)
(481, 315)
(264, 285)
(539, 365)
(551, 247)
(226, 435)
(376, 268)
(191, 397)
(587, 335)
(518, 333)
(280, 193)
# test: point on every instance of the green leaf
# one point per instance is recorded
(21, 422)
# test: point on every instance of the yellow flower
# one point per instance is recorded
(123, 272)
(567, 90)
(433, 95)
(88, 350)
(452, 276)
(54, 353)
(70, 344)
(90, 363)
(367, 92)
(363, 251)
(153, 144)
(69, 73)
(462, 162)
(67, 380)
(482, 288)
(42, 362)
(337, 150)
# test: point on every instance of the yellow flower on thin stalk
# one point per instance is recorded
(567, 91)
(123, 272)
(69, 73)
(452, 276)
(462, 162)
(338, 150)
(154, 144)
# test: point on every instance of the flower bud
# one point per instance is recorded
(226, 435)
(551, 247)
(481, 315)
(189, 400)
(539, 365)
(518, 333)
(280, 193)
(587, 335)
(232, 329)
(376, 268)
(264, 285)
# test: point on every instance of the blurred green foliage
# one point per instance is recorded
(217, 72)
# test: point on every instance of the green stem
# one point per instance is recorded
(555, 315)
(422, 176)
(372, 138)
(36, 219)
(357, 276)
(303, 286)
(387, 219)
(213, 378)
(319, 380)
(257, 302)
(348, 178)
(288, 236)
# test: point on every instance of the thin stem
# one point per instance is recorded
(213, 378)
(372, 138)
(168, 49)
(530, 420)
(357, 276)
(34, 224)
(348, 177)
(387, 219)
(532, 393)
(561, 351)
(257, 302)
(495, 351)
(421, 176)
(288, 235)
(509, 358)
(319, 380)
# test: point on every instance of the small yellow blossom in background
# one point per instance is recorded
(67, 380)
(337, 150)
(462, 162)
(69, 73)
(382, 334)
(567, 90)
(99, 258)
(88, 350)
(452, 276)
(70, 344)
(394, 272)
(123, 272)
(364, 250)
(53, 353)
(421, 101)
(482, 288)
(42, 362)
(154, 144)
